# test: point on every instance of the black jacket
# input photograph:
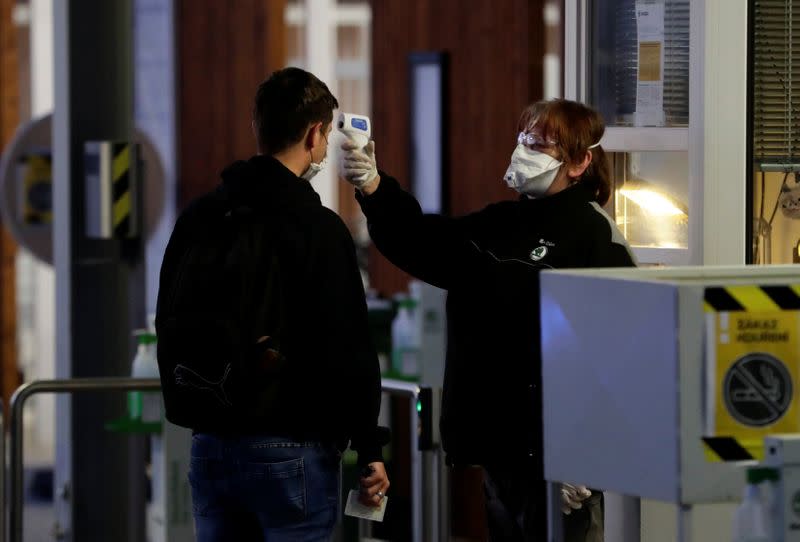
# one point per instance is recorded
(331, 389)
(489, 262)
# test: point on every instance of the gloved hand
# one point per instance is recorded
(359, 167)
(572, 497)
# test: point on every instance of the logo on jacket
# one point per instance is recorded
(184, 376)
(538, 253)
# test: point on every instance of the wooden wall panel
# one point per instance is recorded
(9, 119)
(225, 49)
(495, 53)
(393, 37)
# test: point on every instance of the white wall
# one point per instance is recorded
(321, 50)
(38, 357)
(155, 115)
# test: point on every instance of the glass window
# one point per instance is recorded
(776, 217)
(775, 98)
(350, 42)
(651, 194)
(639, 61)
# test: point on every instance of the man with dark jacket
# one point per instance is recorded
(276, 477)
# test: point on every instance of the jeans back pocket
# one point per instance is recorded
(277, 491)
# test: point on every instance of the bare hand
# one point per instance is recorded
(375, 486)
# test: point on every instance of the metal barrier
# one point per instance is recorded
(15, 428)
(413, 391)
(393, 387)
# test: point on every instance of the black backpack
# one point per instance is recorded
(220, 314)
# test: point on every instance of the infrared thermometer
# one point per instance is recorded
(355, 127)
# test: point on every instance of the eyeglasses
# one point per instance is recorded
(533, 140)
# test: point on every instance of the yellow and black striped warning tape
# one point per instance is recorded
(121, 183)
(732, 449)
(752, 298)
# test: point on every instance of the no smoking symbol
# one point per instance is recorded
(757, 390)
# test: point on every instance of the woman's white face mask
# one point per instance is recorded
(531, 172)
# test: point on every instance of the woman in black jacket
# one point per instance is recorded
(489, 262)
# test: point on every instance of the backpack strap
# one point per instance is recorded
(268, 348)
(251, 234)
(264, 287)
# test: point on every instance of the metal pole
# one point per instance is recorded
(99, 282)
(432, 497)
(632, 513)
(555, 523)
(444, 496)
(2, 477)
(416, 476)
(684, 523)
(622, 517)
(16, 430)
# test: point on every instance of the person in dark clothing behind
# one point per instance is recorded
(278, 479)
(489, 262)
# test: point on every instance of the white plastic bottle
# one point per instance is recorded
(769, 496)
(145, 406)
(750, 523)
(415, 293)
(405, 341)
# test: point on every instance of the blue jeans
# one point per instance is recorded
(263, 488)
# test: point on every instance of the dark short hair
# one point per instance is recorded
(286, 104)
(575, 127)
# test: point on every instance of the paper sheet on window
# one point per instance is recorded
(650, 77)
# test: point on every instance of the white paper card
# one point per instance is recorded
(356, 509)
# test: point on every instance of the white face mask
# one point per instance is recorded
(314, 168)
(531, 172)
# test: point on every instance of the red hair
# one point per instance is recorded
(574, 127)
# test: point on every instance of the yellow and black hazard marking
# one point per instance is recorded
(752, 368)
(752, 298)
(726, 449)
(122, 198)
(37, 189)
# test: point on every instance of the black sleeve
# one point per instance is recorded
(434, 248)
(342, 297)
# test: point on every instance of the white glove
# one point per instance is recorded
(572, 497)
(359, 167)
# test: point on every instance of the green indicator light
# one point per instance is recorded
(419, 406)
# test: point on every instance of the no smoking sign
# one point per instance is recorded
(752, 366)
(757, 390)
